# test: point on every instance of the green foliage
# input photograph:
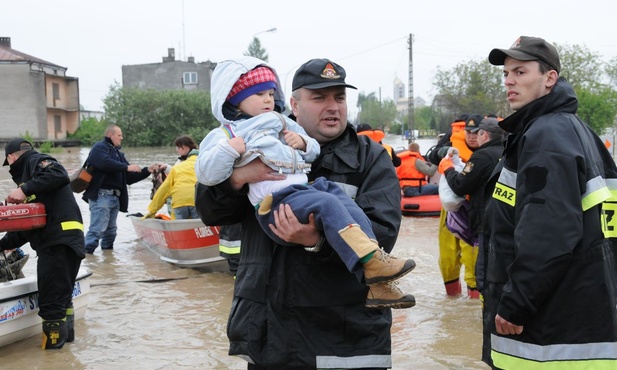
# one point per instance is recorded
(579, 66)
(611, 71)
(597, 108)
(27, 136)
(375, 113)
(90, 131)
(155, 118)
(477, 87)
(48, 147)
(255, 50)
(472, 87)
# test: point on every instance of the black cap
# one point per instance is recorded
(527, 48)
(473, 122)
(319, 74)
(490, 124)
(363, 127)
(15, 145)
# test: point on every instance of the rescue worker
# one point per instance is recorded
(302, 304)
(414, 173)
(551, 293)
(59, 245)
(454, 252)
(472, 180)
(378, 136)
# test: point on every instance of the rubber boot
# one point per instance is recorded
(453, 288)
(473, 293)
(70, 323)
(54, 333)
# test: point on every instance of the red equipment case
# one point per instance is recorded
(20, 217)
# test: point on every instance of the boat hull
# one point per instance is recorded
(185, 243)
(19, 306)
(421, 206)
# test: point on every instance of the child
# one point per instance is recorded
(243, 99)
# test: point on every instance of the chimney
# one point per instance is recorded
(171, 55)
(5, 41)
(191, 60)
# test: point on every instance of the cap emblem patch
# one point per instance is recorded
(329, 72)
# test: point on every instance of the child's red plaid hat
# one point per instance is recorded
(256, 80)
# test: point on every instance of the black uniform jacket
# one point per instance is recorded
(300, 296)
(45, 180)
(473, 178)
(551, 266)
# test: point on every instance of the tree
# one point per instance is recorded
(472, 87)
(580, 66)
(375, 113)
(255, 50)
(477, 87)
(155, 118)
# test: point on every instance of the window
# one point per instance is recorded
(58, 123)
(190, 78)
(55, 90)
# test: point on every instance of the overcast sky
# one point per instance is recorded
(93, 39)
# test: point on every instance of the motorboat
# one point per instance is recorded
(185, 243)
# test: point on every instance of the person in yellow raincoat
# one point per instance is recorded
(180, 186)
(453, 252)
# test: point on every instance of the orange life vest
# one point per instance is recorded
(407, 172)
(377, 136)
(458, 140)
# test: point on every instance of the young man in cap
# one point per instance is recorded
(59, 245)
(305, 309)
(551, 284)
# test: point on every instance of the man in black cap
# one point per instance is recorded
(551, 284)
(310, 296)
(59, 245)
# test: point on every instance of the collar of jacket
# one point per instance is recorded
(108, 141)
(562, 98)
(343, 149)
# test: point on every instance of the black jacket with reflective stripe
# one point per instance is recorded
(47, 183)
(550, 268)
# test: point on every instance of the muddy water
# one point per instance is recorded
(135, 321)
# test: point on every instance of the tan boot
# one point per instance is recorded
(266, 205)
(388, 295)
(383, 267)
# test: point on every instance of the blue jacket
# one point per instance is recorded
(110, 169)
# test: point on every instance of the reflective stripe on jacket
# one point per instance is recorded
(551, 267)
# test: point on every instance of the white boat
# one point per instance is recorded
(185, 243)
(19, 306)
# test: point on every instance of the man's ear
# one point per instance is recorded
(551, 78)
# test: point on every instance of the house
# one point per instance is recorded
(171, 74)
(37, 98)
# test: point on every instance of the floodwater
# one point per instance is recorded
(148, 314)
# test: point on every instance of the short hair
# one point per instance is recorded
(111, 129)
(414, 147)
(185, 140)
(545, 67)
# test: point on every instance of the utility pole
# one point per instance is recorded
(411, 102)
